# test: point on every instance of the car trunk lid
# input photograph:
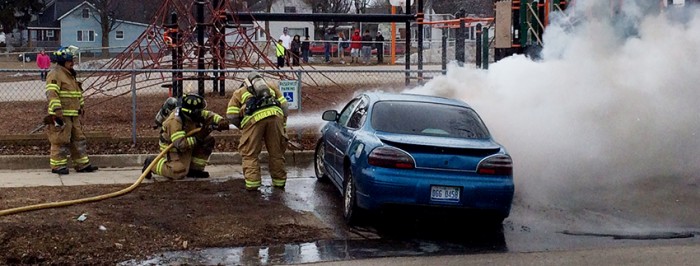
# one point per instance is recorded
(441, 152)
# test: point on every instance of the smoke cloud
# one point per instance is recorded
(610, 101)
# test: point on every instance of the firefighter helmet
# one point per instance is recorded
(193, 105)
(64, 54)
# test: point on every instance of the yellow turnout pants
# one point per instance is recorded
(269, 131)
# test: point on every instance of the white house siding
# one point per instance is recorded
(73, 22)
(295, 27)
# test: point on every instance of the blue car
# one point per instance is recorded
(388, 150)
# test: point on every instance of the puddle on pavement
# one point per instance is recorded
(635, 236)
(325, 250)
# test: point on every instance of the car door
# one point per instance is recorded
(333, 138)
(348, 133)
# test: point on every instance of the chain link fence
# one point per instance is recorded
(120, 105)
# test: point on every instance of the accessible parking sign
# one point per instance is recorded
(290, 90)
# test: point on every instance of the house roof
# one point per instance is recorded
(48, 18)
(55, 10)
(76, 8)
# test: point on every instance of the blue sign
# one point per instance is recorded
(290, 89)
(289, 95)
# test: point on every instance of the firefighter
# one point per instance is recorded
(189, 155)
(260, 110)
(65, 106)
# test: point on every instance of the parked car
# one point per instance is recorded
(26, 57)
(403, 150)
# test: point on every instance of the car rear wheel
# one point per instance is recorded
(351, 212)
(319, 165)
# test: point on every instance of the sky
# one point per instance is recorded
(609, 103)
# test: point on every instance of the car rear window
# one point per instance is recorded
(429, 119)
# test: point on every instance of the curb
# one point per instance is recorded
(19, 162)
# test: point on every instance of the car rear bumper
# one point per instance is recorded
(381, 187)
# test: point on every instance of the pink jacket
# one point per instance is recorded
(43, 61)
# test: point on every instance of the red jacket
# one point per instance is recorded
(356, 40)
(43, 61)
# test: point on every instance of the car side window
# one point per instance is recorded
(345, 114)
(358, 116)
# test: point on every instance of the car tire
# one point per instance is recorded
(493, 222)
(319, 165)
(351, 212)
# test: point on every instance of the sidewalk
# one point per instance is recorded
(29, 171)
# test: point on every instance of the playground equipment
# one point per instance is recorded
(460, 24)
(521, 23)
(175, 39)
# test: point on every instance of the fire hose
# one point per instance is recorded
(95, 198)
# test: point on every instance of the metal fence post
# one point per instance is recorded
(485, 48)
(459, 38)
(479, 45)
(133, 106)
(444, 51)
(299, 74)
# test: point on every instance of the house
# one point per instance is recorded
(45, 31)
(435, 10)
(302, 28)
(80, 28)
(73, 22)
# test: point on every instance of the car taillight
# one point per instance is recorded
(391, 158)
(496, 165)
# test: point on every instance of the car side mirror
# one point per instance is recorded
(330, 115)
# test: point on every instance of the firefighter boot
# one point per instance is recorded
(197, 173)
(60, 171)
(88, 169)
(146, 163)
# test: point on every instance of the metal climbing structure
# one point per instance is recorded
(186, 34)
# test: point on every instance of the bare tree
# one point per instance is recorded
(268, 8)
(267, 5)
(361, 6)
(328, 6)
(106, 15)
(381, 4)
(18, 13)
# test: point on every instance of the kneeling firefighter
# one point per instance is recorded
(260, 111)
(189, 155)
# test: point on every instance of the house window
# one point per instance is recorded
(290, 9)
(120, 35)
(49, 33)
(86, 13)
(86, 36)
(296, 31)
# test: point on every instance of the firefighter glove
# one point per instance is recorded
(222, 125)
(203, 132)
(58, 122)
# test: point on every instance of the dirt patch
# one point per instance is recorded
(156, 217)
(108, 122)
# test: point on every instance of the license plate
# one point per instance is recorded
(441, 193)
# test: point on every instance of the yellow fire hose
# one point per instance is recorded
(95, 198)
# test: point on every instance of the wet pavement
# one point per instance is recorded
(528, 229)
(629, 222)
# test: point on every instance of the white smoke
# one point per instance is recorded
(608, 103)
